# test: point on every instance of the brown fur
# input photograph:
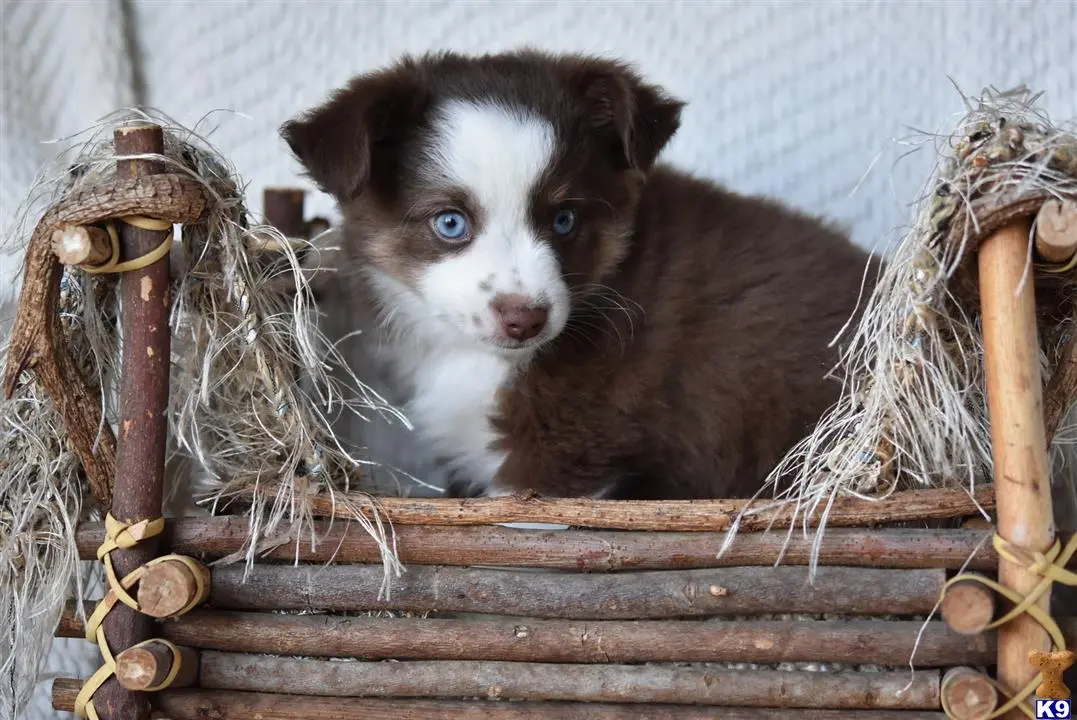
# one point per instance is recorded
(700, 390)
(724, 368)
(363, 147)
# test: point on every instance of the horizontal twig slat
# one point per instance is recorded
(876, 642)
(605, 596)
(669, 515)
(584, 550)
(221, 705)
(673, 684)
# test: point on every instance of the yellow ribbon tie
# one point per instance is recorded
(114, 265)
(1051, 567)
(120, 535)
(177, 660)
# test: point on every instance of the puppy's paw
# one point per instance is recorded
(462, 487)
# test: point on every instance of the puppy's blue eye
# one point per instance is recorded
(451, 226)
(564, 222)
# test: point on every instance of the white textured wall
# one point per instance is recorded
(794, 99)
(798, 99)
(62, 65)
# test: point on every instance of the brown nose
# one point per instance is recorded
(519, 318)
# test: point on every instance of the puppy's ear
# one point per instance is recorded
(337, 141)
(640, 118)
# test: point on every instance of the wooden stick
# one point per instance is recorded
(148, 665)
(670, 516)
(968, 693)
(876, 642)
(169, 586)
(1056, 242)
(1056, 231)
(654, 683)
(143, 427)
(37, 340)
(968, 607)
(81, 245)
(1018, 441)
(219, 705)
(630, 596)
(284, 210)
(585, 550)
(317, 226)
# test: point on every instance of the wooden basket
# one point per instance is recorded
(614, 618)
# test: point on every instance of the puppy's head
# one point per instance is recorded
(487, 194)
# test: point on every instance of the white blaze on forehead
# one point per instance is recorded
(496, 152)
(498, 155)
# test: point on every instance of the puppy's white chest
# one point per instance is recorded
(454, 396)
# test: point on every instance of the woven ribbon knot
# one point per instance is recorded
(121, 536)
(113, 265)
(1051, 567)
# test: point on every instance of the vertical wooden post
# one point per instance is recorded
(316, 227)
(143, 426)
(284, 210)
(1015, 402)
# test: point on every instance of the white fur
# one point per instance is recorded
(498, 155)
(449, 368)
(450, 382)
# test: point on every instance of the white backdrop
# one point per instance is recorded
(809, 101)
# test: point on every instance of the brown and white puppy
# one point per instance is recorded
(556, 313)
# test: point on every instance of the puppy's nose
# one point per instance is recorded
(520, 318)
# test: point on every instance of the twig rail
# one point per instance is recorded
(877, 642)
(220, 705)
(628, 596)
(342, 542)
(655, 683)
(669, 516)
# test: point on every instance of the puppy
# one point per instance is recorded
(555, 312)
